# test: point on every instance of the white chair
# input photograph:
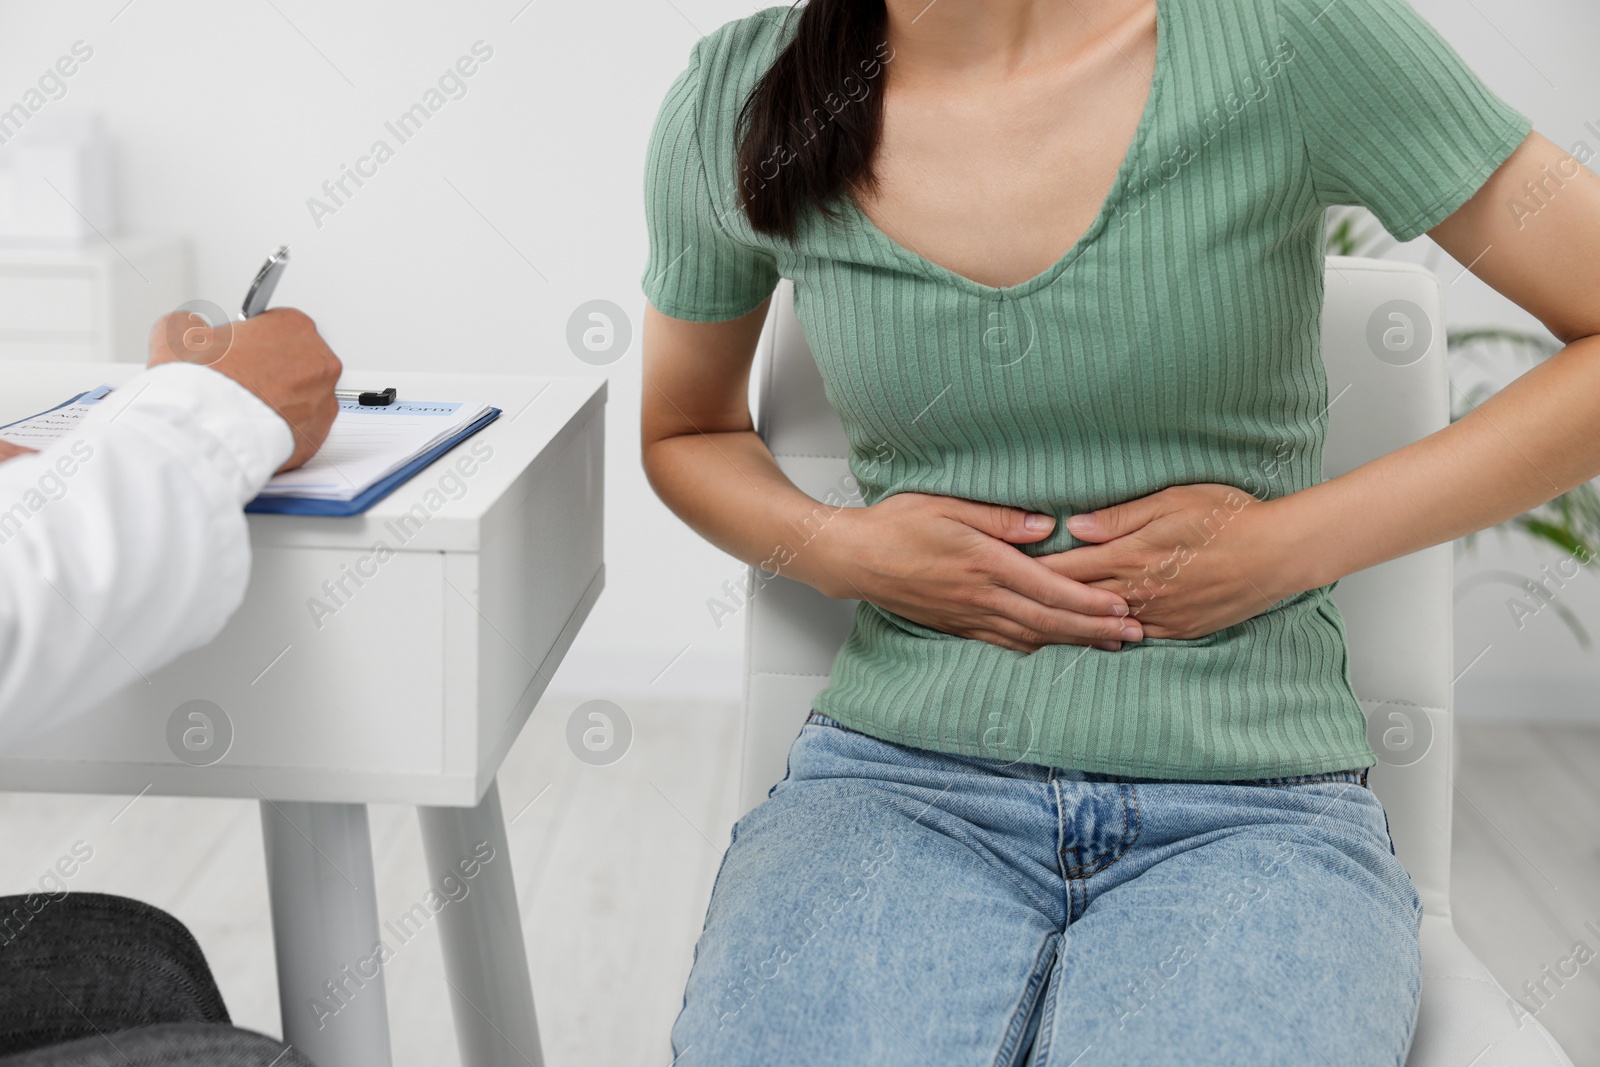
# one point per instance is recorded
(1398, 619)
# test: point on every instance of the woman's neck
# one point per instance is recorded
(992, 40)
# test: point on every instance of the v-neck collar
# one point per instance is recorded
(862, 225)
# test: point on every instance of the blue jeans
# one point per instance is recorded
(889, 905)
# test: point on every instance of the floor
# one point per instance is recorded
(1525, 869)
(614, 866)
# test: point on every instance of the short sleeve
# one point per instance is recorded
(696, 269)
(1393, 119)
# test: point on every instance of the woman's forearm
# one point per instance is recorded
(728, 488)
(1534, 440)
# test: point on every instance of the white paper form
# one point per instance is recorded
(364, 446)
(42, 429)
(367, 444)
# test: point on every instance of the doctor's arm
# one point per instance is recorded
(124, 544)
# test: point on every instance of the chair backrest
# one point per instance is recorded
(1383, 347)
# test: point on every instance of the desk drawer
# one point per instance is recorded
(353, 676)
(319, 670)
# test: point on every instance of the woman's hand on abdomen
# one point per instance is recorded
(1191, 560)
(951, 564)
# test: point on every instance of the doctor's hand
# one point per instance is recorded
(277, 355)
(951, 564)
(1189, 560)
(9, 450)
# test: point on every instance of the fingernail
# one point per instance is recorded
(1037, 522)
(1132, 633)
(1081, 523)
(1119, 609)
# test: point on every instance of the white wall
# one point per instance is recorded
(226, 119)
(521, 200)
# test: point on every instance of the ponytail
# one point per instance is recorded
(810, 126)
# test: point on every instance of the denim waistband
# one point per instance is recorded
(1354, 775)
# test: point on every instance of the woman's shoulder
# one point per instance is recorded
(1309, 18)
(724, 67)
(738, 52)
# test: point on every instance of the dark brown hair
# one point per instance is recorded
(811, 124)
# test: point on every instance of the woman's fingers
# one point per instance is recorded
(938, 561)
(1029, 622)
(1037, 583)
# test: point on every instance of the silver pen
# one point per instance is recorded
(260, 294)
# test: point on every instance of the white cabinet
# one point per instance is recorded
(411, 692)
(414, 688)
(93, 302)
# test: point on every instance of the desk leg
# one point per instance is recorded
(325, 927)
(485, 960)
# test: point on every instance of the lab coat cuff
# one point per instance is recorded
(247, 440)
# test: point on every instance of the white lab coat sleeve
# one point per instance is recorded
(124, 544)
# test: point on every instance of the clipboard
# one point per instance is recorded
(288, 505)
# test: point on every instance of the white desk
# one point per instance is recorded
(411, 691)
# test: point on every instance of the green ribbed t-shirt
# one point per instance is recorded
(1176, 342)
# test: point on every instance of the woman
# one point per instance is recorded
(1088, 783)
